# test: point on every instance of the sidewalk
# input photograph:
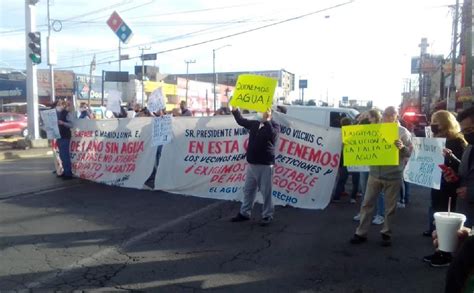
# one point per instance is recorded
(16, 154)
(15, 148)
(33, 175)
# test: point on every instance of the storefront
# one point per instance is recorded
(12, 91)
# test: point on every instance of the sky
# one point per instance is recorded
(360, 49)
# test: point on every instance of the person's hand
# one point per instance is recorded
(463, 233)
(462, 192)
(60, 122)
(399, 144)
(447, 152)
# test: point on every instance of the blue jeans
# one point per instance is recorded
(380, 210)
(341, 182)
(404, 192)
(63, 146)
(355, 184)
(158, 155)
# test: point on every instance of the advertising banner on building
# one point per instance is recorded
(63, 83)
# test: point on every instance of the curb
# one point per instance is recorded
(39, 189)
(24, 154)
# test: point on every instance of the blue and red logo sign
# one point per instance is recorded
(119, 27)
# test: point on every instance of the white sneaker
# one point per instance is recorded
(400, 205)
(357, 218)
(378, 220)
(353, 200)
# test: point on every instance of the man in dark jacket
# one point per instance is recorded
(260, 157)
(64, 126)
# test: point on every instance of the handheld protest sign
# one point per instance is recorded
(426, 162)
(370, 145)
(254, 92)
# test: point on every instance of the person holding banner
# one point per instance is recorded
(184, 109)
(344, 175)
(386, 179)
(444, 124)
(260, 157)
(64, 125)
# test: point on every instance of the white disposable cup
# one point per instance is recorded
(447, 229)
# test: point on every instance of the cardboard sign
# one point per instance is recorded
(50, 122)
(156, 101)
(162, 131)
(114, 100)
(254, 92)
(422, 168)
(370, 145)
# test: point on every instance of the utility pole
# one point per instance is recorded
(187, 76)
(143, 74)
(31, 77)
(91, 69)
(214, 76)
(423, 45)
(451, 99)
(51, 70)
(120, 55)
(467, 28)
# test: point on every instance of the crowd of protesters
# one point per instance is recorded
(382, 188)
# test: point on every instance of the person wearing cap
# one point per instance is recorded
(263, 135)
(386, 179)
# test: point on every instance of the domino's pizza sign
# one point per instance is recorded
(119, 27)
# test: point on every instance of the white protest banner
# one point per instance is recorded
(358, 168)
(162, 131)
(207, 159)
(50, 122)
(115, 152)
(156, 101)
(306, 163)
(423, 165)
(114, 100)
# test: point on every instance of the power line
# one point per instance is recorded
(230, 35)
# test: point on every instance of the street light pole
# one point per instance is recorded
(214, 72)
(423, 45)
(51, 70)
(187, 77)
(451, 98)
(143, 74)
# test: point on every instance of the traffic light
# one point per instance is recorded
(35, 47)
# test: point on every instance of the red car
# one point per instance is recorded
(13, 124)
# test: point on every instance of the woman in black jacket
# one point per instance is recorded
(444, 124)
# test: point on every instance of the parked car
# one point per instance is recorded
(414, 122)
(20, 108)
(13, 124)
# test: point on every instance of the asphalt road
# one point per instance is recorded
(80, 235)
